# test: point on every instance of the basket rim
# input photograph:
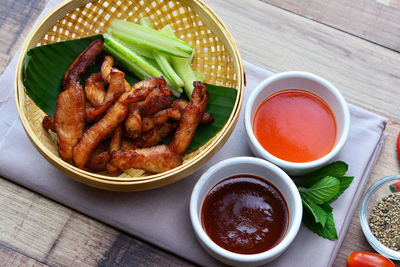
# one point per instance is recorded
(95, 179)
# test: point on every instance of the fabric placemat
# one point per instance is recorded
(161, 216)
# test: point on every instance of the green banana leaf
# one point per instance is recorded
(44, 67)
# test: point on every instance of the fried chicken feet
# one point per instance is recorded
(153, 159)
(69, 118)
(191, 118)
(107, 124)
(124, 126)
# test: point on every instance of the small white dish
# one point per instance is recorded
(308, 82)
(262, 169)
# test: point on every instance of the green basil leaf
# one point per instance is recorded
(328, 231)
(335, 169)
(320, 215)
(345, 182)
(323, 191)
(328, 208)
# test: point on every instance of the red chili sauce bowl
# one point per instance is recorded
(297, 121)
(295, 125)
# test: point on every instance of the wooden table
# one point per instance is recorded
(354, 44)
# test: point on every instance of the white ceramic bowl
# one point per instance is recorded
(260, 168)
(308, 82)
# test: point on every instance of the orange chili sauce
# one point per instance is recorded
(295, 125)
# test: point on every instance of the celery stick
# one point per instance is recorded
(199, 76)
(184, 70)
(182, 66)
(126, 63)
(130, 56)
(172, 78)
(136, 34)
(139, 50)
(138, 71)
(146, 21)
(168, 71)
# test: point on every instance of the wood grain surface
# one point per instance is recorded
(353, 44)
(376, 21)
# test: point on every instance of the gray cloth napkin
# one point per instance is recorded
(161, 216)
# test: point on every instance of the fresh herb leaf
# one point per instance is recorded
(327, 231)
(335, 169)
(323, 191)
(320, 215)
(345, 182)
(317, 190)
(326, 207)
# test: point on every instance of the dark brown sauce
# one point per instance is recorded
(245, 214)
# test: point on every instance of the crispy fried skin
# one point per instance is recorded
(116, 139)
(48, 123)
(155, 136)
(94, 89)
(111, 168)
(114, 91)
(69, 118)
(80, 64)
(206, 118)
(153, 159)
(190, 119)
(157, 100)
(165, 114)
(181, 104)
(159, 118)
(150, 83)
(98, 132)
(133, 123)
(147, 124)
(98, 161)
(106, 125)
(141, 90)
(128, 144)
(115, 145)
(106, 68)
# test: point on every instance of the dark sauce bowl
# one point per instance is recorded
(264, 170)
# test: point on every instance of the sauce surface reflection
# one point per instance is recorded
(295, 125)
(245, 214)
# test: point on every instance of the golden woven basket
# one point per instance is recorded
(217, 57)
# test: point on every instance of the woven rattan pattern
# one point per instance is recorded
(211, 58)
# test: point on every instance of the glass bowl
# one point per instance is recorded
(374, 195)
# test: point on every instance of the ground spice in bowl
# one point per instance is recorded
(384, 221)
